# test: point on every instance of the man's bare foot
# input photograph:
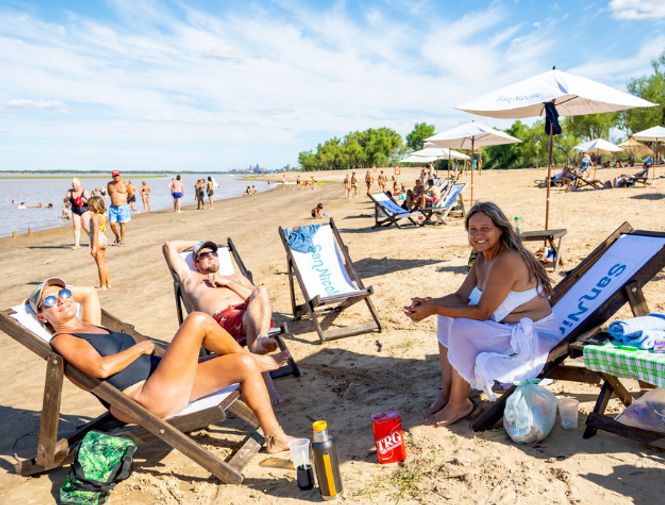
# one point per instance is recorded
(278, 442)
(451, 414)
(270, 362)
(102, 288)
(438, 404)
(264, 345)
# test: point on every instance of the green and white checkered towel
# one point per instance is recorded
(642, 364)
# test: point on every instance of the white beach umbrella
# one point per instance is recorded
(469, 136)
(441, 153)
(654, 134)
(572, 95)
(598, 146)
(412, 158)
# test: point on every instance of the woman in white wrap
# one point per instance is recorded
(498, 326)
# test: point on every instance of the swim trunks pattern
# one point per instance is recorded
(300, 238)
(119, 214)
(231, 320)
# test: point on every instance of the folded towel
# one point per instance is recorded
(642, 332)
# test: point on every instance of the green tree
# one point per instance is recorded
(590, 126)
(416, 139)
(652, 88)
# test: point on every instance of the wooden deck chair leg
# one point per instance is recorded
(636, 300)
(48, 429)
(611, 385)
(291, 368)
(375, 314)
(178, 303)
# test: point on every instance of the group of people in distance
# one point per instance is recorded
(501, 308)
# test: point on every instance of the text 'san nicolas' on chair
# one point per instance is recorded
(319, 260)
(230, 262)
(450, 201)
(612, 275)
(20, 324)
(388, 212)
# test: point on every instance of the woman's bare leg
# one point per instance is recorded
(446, 380)
(76, 222)
(459, 406)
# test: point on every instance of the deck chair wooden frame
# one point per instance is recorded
(332, 306)
(581, 182)
(630, 292)
(439, 212)
(554, 238)
(389, 218)
(183, 302)
(53, 452)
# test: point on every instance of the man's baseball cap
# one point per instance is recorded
(36, 297)
(115, 172)
(204, 244)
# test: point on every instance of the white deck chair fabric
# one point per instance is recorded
(451, 197)
(319, 261)
(26, 318)
(390, 206)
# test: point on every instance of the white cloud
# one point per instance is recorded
(637, 9)
(23, 103)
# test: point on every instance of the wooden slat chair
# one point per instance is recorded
(608, 278)
(387, 212)
(452, 200)
(227, 255)
(52, 452)
(581, 182)
(327, 279)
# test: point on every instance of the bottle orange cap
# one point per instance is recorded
(319, 425)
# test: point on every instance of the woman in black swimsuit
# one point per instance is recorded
(210, 190)
(77, 197)
(166, 385)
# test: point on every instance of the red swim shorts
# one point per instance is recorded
(231, 320)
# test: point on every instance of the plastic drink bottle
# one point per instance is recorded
(518, 225)
(326, 462)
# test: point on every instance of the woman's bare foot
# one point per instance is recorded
(278, 442)
(270, 362)
(102, 288)
(451, 414)
(264, 345)
(438, 404)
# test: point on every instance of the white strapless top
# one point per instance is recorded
(510, 303)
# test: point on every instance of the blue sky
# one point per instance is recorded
(215, 85)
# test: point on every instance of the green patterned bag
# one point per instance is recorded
(100, 462)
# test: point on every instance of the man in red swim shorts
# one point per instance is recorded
(240, 307)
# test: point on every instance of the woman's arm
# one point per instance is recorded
(94, 242)
(85, 357)
(89, 300)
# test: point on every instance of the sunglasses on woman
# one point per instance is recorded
(207, 254)
(51, 300)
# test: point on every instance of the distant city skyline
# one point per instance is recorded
(213, 86)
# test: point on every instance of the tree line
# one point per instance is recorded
(385, 146)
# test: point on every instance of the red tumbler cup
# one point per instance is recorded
(388, 436)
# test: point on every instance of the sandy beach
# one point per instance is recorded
(346, 380)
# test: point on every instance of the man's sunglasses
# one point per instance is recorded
(207, 254)
(51, 300)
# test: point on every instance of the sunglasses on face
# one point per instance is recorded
(208, 254)
(51, 300)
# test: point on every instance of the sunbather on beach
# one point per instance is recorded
(498, 325)
(238, 306)
(163, 385)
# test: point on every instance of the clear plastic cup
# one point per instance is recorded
(568, 408)
(299, 450)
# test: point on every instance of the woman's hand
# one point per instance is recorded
(146, 346)
(419, 309)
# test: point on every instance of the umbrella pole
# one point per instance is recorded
(549, 180)
(473, 140)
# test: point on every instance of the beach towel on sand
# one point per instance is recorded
(642, 332)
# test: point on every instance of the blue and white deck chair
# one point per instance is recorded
(590, 294)
(320, 262)
(388, 212)
(451, 200)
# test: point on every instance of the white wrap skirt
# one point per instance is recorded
(486, 351)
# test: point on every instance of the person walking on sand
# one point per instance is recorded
(119, 214)
(347, 186)
(283, 182)
(131, 196)
(199, 191)
(369, 179)
(77, 198)
(382, 181)
(145, 196)
(354, 184)
(98, 240)
(210, 191)
(177, 190)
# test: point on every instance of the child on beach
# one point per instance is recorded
(98, 240)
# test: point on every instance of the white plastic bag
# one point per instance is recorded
(530, 412)
(648, 412)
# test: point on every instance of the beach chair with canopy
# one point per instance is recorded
(20, 324)
(319, 260)
(612, 275)
(451, 200)
(229, 263)
(387, 212)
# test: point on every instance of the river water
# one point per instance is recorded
(42, 189)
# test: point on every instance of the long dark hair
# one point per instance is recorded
(511, 240)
